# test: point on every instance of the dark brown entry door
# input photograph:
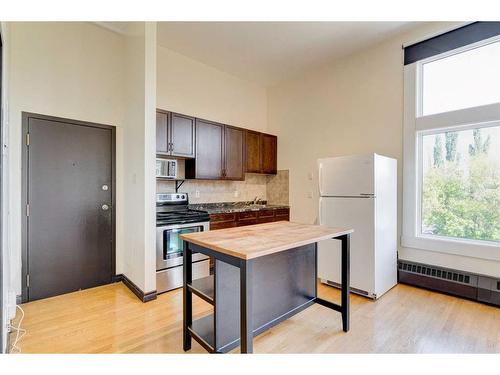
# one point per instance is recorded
(69, 232)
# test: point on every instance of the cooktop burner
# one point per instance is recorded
(172, 208)
(181, 217)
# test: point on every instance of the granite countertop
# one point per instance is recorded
(229, 207)
(254, 241)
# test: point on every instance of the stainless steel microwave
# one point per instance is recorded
(166, 168)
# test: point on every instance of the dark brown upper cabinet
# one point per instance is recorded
(261, 152)
(209, 158)
(162, 142)
(219, 152)
(253, 153)
(269, 147)
(234, 157)
(175, 134)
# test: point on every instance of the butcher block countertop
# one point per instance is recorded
(255, 241)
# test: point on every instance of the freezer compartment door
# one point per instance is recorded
(356, 213)
(346, 176)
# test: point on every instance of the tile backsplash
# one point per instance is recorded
(278, 188)
(254, 185)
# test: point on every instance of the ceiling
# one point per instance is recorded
(269, 52)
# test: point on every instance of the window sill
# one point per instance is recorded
(486, 250)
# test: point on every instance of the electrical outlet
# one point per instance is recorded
(197, 194)
(310, 176)
(309, 194)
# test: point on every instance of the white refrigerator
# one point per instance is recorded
(360, 192)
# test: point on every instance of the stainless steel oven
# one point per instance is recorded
(169, 245)
(169, 256)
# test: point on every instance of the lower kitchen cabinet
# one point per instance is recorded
(238, 219)
(221, 221)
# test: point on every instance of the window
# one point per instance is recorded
(451, 197)
(460, 192)
(464, 80)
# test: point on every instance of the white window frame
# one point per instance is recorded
(415, 127)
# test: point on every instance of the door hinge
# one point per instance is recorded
(27, 281)
(27, 209)
(27, 139)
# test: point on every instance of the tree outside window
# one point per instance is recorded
(461, 184)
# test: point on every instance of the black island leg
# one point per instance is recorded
(246, 313)
(187, 297)
(346, 239)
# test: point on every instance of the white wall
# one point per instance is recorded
(193, 88)
(72, 70)
(353, 105)
(5, 271)
(190, 87)
(81, 71)
(137, 260)
(85, 72)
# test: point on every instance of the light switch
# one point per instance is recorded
(236, 193)
(197, 193)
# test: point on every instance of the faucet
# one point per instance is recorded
(256, 200)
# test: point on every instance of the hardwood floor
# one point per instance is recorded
(110, 319)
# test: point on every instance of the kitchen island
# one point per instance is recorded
(263, 274)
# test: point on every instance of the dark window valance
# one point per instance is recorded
(468, 34)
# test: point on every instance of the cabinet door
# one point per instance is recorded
(223, 220)
(282, 214)
(253, 152)
(182, 130)
(162, 133)
(233, 155)
(269, 151)
(209, 138)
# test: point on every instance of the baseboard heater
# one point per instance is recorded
(459, 283)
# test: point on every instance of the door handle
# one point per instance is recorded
(105, 207)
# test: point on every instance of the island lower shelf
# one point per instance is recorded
(283, 284)
(203, 331)
(203, 288)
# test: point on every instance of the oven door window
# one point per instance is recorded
(173, 245)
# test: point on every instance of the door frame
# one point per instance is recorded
(26, 116)
(2, 329)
